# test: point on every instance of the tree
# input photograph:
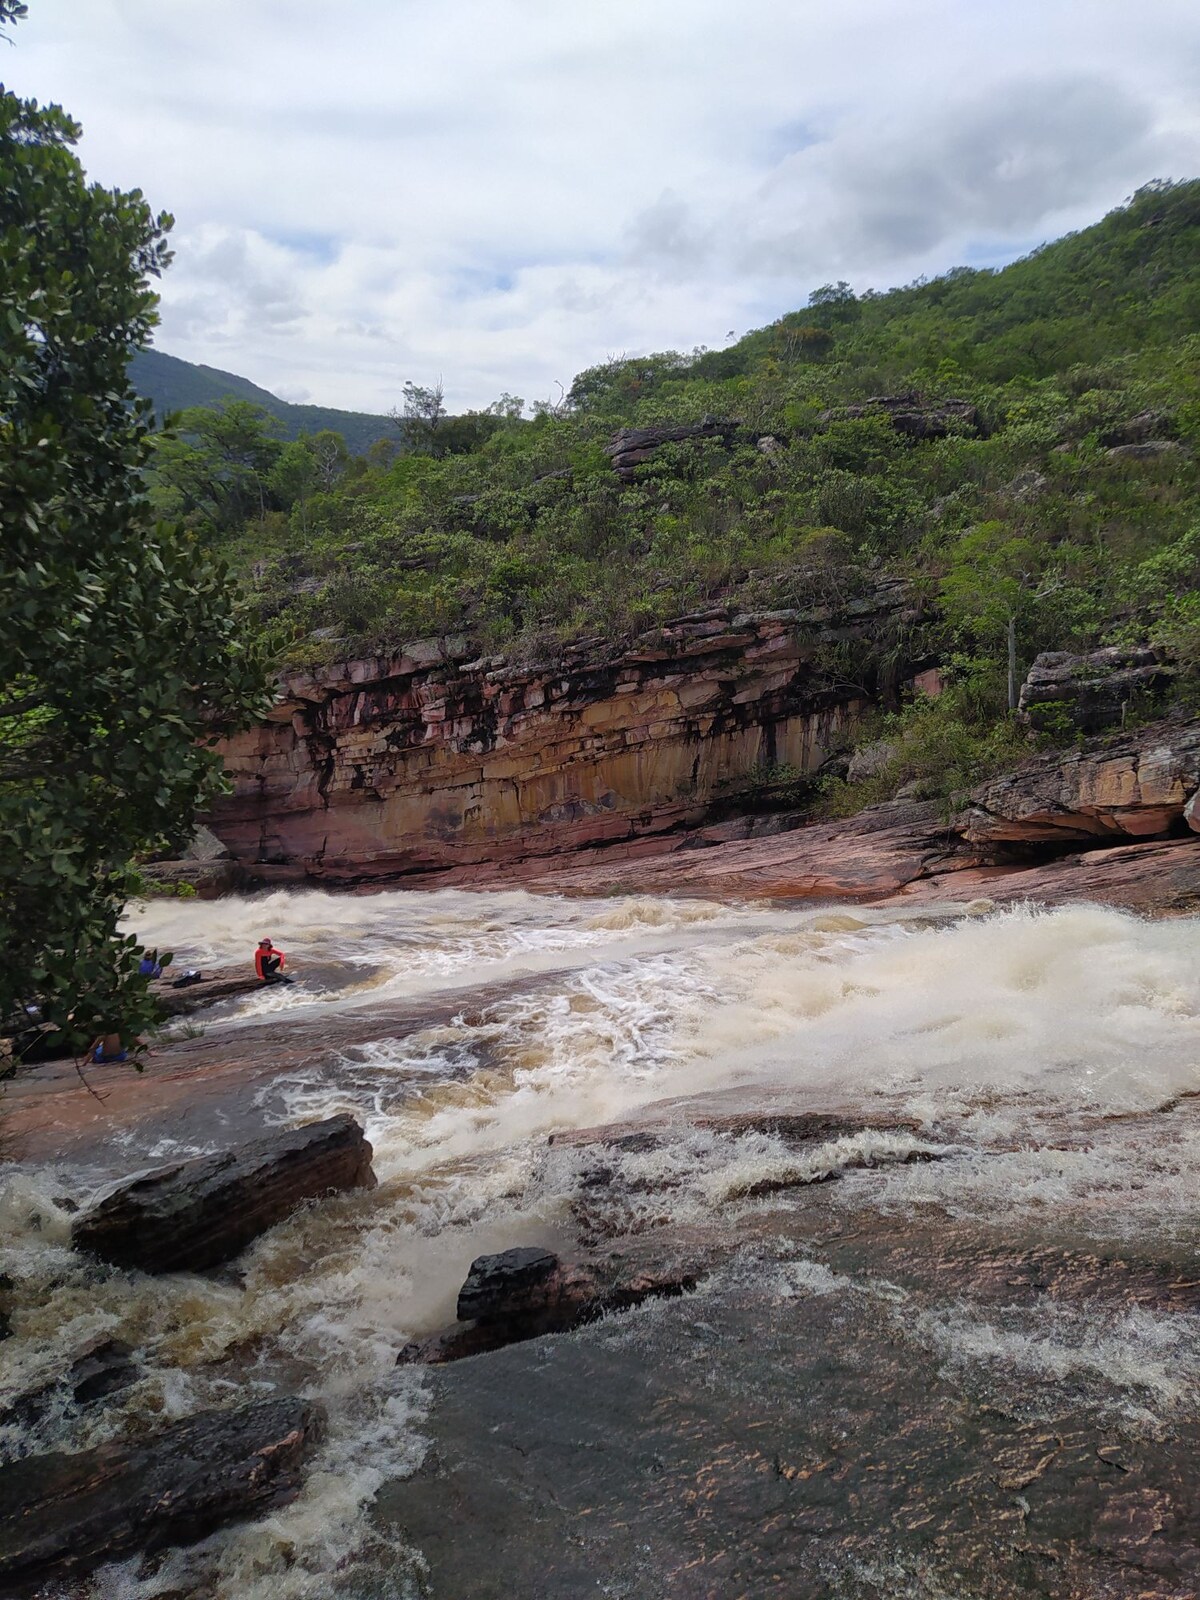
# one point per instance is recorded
(216, 462)
(996, 585)
(122, 653)
(421, 416)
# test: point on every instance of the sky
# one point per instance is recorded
(496, 194)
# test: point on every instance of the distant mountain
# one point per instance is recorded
(173, 385)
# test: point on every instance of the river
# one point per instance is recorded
(1005, 1038)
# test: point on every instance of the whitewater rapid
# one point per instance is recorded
(591, 1010)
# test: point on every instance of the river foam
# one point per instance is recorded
(991, 1020)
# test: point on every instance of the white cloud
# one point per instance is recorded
(501, 192)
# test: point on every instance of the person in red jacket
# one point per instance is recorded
(268, 963)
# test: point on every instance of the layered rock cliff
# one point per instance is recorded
(427, 760)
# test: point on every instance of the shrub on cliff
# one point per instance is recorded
(120, 643)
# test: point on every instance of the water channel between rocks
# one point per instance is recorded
(1025, 1050)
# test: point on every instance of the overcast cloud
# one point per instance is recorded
(501, 192)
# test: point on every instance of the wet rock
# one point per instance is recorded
(211, 988)
(1093, 691)
(1132, 787)
(197, 1214)
(499, 1285)
(64, 1515)
(526, 1292)
(7, 1286)
(630, 447)
(100, 1367)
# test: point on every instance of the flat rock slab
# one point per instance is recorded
(64, 1515)
(811, 1440)
(212, 987)
(197, 1214)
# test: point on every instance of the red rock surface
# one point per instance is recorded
(425, 761)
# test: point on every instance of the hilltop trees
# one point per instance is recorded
(121, 648)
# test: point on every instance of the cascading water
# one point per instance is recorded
(565, 1014)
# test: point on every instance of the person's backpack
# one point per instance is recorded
(187, 979)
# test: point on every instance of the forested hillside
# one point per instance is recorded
(1054, 504)
(172, 385)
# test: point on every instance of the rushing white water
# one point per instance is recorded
(992, 1020)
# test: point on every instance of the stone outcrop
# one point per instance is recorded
(527, 1291)
(428, 760)
(197, 1214)
(210, 988)
(1149, 450)
(630, 448)
(207, 866)
(1137, 786)
(64, 1515)
(912, 416)
(1093, 691)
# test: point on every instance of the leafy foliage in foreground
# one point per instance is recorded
(119, 645)
(1025, 535)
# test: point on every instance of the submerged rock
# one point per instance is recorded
(66, 1514)
(197, 1214)
(98, 1368)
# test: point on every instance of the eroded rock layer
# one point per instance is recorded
(426, 760)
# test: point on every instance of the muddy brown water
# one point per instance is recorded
(975, 1375)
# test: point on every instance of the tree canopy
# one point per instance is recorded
(122, 650)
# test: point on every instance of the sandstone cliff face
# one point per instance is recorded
(425, 760)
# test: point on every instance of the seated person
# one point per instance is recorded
(268, 963)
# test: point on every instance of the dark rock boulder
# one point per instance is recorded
(630, 447)
(912, 416)
(523, 1293)
(63, 1515)
(1091, 690)
(100, 1367)
(196, 1214)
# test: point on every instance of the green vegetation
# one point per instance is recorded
(120, 647)
(1021, 532)
(172, 385)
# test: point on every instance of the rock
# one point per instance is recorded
(629, 448)
(769, 445)
(210, 879)
(1147, 425)
(1027, 487)
(7, 1286)
(869, 760)
(499, 1285)
(386, 768)
(527, 1292)
(197, 1214)
(1148, 450)
(100, 1367)
(205, 846)
(913, 417)
(1133, 787)
(64, 1515)
(1092, 691)
(211, 988)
